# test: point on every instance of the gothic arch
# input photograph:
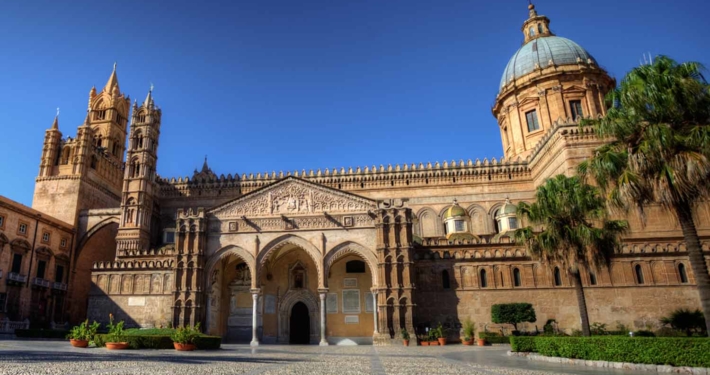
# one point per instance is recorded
(478, 219)
(290, 239)
(94, 229)
(350, 247)
(289, 299)
(226, 252)
(428, 223)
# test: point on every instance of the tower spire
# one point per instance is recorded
(55, 124)
(112, 81)
(149, 97)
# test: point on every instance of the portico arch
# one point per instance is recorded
(290, 239)
(237, 251)
(292, 297)
(350, 247)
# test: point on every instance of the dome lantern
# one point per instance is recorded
(507, 217)
(455, 220)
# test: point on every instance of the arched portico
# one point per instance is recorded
(352, 248)
(290, 239)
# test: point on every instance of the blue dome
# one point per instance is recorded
(540, 51)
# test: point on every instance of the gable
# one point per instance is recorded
(293, 196)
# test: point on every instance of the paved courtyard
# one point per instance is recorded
(58, 357)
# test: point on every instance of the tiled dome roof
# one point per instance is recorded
(542, 51)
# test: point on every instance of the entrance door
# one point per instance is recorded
(299, 325)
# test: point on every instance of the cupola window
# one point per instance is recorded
(531, 118)
(532, 31)
(575, 107)
(539, 28)
(455, 220)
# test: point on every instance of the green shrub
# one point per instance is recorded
(84, 331)
(513, 313)
(647, 350)
(148, 332)
(42, 333)
(160, 341)
(644, 333)
(687, 321)
(186, 335)
(523, 344)
(494, 337)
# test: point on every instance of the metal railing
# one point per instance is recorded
(8, 326)
(59, 286)
(14, 276)
(41, 282)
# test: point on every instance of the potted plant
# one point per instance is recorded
(441, 335)
(433, 337)
(405, 337)
(80, 335)
(468, 327)
(423, 340)
(115, 339)
(184, 338)
(481, 339)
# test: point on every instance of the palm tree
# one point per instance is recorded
(659, 149)
(575, 230)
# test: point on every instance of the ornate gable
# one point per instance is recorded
(293, 196)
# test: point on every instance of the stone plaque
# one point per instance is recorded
(331, 303)
(352, 319)
(351, 301)
(270, 304)
(369, 303)
(136, 301)
(349, 283)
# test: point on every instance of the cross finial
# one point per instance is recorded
(151, 87)
(57, 111)
(114, 66)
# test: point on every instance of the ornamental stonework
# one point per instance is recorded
(293, 197)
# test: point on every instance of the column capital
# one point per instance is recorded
(255, 291)
(322, 290)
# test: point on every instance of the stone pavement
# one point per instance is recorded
(58, 357)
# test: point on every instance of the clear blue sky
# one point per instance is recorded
(283, 85)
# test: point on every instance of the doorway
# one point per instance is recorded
(299, 325)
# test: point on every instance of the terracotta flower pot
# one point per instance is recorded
(79, 343)
(405, 342)
(433, 343)
(481, 342)
(116, 345)
(442, 341)
(467, 342)
(184, 347)
(424, 343)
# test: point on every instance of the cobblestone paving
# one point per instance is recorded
(58, 357)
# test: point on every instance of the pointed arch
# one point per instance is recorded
(290, 239)
(350, 247)
(227, 251)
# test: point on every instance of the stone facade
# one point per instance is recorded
(349, 255)
(35, 259)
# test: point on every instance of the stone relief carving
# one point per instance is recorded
(294, 197)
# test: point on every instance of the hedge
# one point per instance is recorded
(647, 350)
(494, 337)
(42, 333)
(161, 341)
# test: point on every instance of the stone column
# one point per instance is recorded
(255, 298)
(323, 341)
(374, 308)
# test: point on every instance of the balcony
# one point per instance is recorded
(42, 283)
(16, 277)
(59, 286)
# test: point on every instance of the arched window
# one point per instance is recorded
(539, 28)
(592, 278)
(65, 156)
(683, 275)
(135, 168)
(558, 277)
(94, 161)
(639, 274)
(484, 279)
(517, 280)
(532, 31)
(445, 282)
(140, 141)
(97, 141)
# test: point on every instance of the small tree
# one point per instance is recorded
(686, 320)
(513, 313)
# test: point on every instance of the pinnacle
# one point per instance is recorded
(112, 81)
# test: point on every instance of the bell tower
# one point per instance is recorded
(139, 188)
(86, 171)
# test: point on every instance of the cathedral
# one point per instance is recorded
(349, 255)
